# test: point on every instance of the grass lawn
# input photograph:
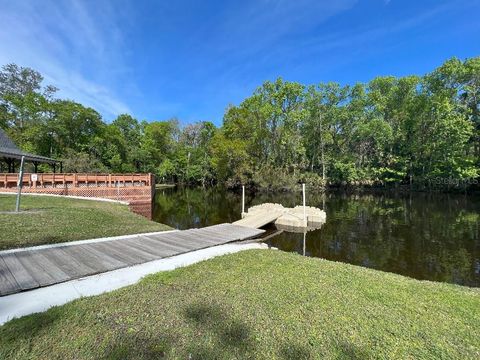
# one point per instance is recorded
(258, 304)
(56, 219)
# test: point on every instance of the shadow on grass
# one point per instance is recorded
(295, 352)
(27, 329)
(53, 239)
(228, 335)
(138, 346)
(352, 351)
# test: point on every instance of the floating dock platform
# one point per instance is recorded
(297, 218)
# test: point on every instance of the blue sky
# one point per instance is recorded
(190, 59)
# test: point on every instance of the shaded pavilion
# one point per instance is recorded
(10, 153)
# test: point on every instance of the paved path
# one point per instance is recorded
(26, 269)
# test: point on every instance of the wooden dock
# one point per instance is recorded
(26, 269)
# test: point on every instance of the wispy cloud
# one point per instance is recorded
(253, 25)
(77, 46)
(296, 52)
(249, 32)
(360, 37)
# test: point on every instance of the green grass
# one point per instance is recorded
(258, 304)
(55, 219)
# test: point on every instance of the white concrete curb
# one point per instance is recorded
(38, 300)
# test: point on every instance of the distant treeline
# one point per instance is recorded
(419, 131)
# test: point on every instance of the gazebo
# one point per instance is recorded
(10, 153)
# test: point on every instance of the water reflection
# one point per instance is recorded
(426, 236)
(144, 208)
(298, 230)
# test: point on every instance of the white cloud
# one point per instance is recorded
(77, 48)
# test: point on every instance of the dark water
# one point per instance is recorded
(425, 236)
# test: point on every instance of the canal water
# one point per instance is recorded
(424, 236)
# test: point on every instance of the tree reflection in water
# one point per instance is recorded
(425, 236)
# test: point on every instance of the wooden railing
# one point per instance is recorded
(76, 180)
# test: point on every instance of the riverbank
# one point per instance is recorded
(258, 304)
(164, 186)
(49, 220)
(364, 188)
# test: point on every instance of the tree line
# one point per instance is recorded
(420, 131)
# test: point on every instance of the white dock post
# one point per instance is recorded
(304, 242)
(243, 201)
(304, 208)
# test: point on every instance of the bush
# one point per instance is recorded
(313, 180)
(343, 173)
(273, 179)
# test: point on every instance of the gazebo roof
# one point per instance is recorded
(9, 150)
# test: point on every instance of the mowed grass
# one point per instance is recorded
(258, 304)
(50, 220)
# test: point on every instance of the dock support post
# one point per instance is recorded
(304, 242)
(243, 201)
(304, 208)
(19, 185)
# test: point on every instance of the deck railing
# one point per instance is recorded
(76, 180)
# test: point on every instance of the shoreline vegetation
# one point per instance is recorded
(420, 132)
(295, 186)
(262, 304)
(49, 220)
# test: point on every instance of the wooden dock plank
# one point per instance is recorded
(171, 246)
(171, 243)
(151, 247)
(190, 245)
(34, 269)
(181, 240)
(116, 253)
(8, 284)
(235, 233)
(68, 263)
(21, 275)
(49, 267)
(215, 238)
(246, 231)
(194, 239)
(217, 235)
(209, 239)
(118, 247)
(85, 258)
(138, 251)
(214, 234)
(107, 260)
(123, 251)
